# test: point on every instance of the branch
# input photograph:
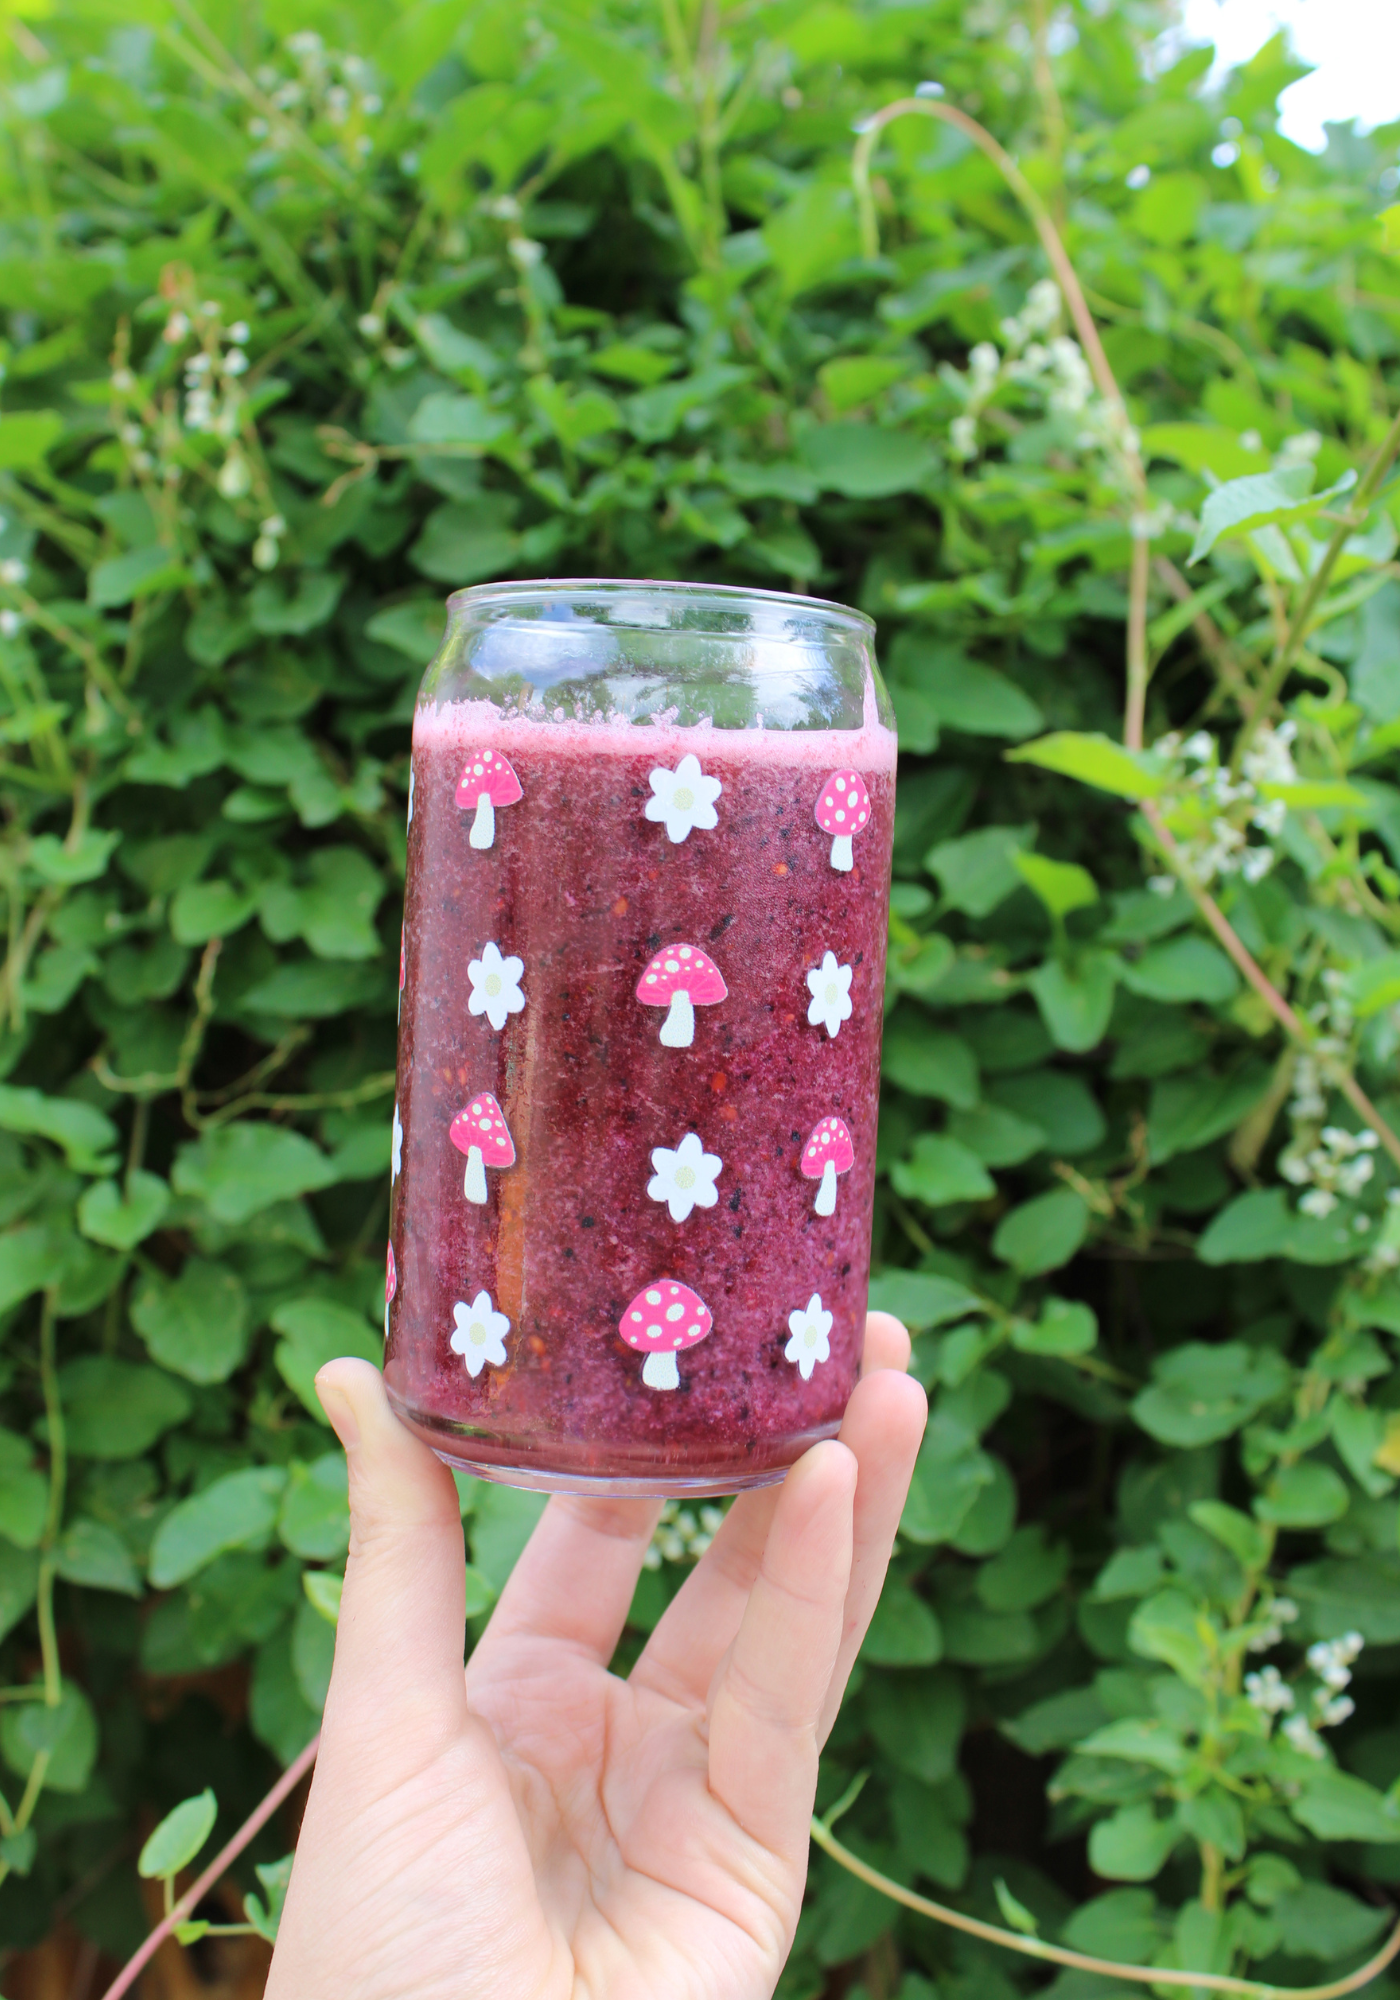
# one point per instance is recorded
(1056, 1954)
(200, 1887)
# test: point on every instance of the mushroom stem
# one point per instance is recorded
(659, 1371)
(678, 1028)
(825, 1203)
(841, 856)
(474, 1184)
(484, 830)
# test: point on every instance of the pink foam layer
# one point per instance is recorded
(479, 724)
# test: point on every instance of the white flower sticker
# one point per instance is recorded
(830, 987)
(481, 1334)
(685, 798)
(396, 1152)
(810, 1327)
(685, 1179)
(496, 986)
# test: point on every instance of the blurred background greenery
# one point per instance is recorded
(314, 312)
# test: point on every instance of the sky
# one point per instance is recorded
(1354, 45)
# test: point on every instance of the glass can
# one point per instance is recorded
(641, 982)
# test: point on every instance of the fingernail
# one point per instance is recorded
(340, 1411)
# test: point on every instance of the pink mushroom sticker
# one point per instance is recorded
(681, 978)
(487, 781)
(843, 810)
(481, 1133)
(391, 1285)
(827, 1153)
(661, 1322)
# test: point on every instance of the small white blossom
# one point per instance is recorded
(266, 553)
(684, 798)
(1268, 1691)
(1303, 1737)
(830, 987)
(685, 1178)
(480, 1334)
(14, 572)
(1328, 1711)
(680, 1536)
(370, 325)
(11, 624)
(810, 1327)
(495, 986)
(962, 437)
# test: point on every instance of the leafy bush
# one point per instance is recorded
(316, 313)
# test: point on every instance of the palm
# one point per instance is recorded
(541, 1828)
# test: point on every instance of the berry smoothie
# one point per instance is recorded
(639, 1055)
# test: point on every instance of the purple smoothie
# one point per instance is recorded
(551, 1319)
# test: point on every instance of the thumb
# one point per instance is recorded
(400, 1639)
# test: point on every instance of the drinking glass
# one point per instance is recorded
(643, 956)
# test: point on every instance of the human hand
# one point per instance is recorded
(538, 1829)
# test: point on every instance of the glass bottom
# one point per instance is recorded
(542, 1469)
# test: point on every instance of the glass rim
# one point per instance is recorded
(610, 588)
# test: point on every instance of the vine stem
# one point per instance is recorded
(1297, 631)
(1085, 326)
(1057, 1954)
(1286, 1016)
(230, 1852)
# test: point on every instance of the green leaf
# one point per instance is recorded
(1170, 1628)
(413, 629)
(1304, 1495)
(864, 461)
(1076, 999)
(1234, 1531)
(314, 1521)
(1375, 985)
(94, 1554)
(1061, 885)
(979, 871)
(1025, 1573)
(1336, 1806)
(1043, 1233)
(999, 1138)
(138, 573)
(444, 418)
(1064, 1328)
(1317, 1921)
(1132, 1845)
(949, 1473)
(323, 1588)
(1261, 499)
(921, 1299)
(83, 1132)
(67, 1731)
(117, 1409)
(1140, 1740)
(315, 991)
(122, 1218)
(1188, 1112)
(1180, 969)
(26, 437)
(1200, 1393)
(961, 693)
(27, 1264)
(179, 1837)
(265, 1917)
(903, 1631)
(313, 1653)
(939, 1171)
(204, 910)
(237, 1511)
(927, 1062)
(1259, 1224)
(238, 1170)
(1060, 1105)
(275, 608)
(64, 866)
(314, 1332)
(1093, 760)
(917, 1721)
(196, 1326)
(1016, 1914)
(19, 1584)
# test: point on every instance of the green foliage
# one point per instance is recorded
(297, 342)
